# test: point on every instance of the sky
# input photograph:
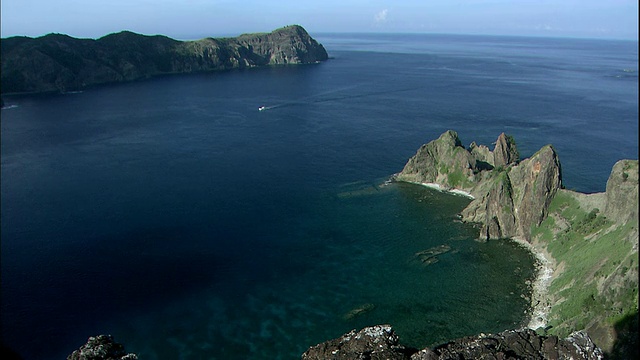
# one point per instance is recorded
(195, 19)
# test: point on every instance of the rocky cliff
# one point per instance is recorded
(57, 62)
(381, 342)
(510, 196)
(622, 192)
(591, 239)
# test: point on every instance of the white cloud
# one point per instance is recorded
(545, 27)
(381, 16)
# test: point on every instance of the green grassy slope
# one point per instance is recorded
(595, 286)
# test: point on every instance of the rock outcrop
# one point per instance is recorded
(375, 342)
(58, 62)
(381, 342)
(510, 195)
(515, 344)
(593, 237)
(622, 192)
(101, 347)
(443, 161)
(505, 152)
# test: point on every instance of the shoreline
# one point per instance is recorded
(454, 191)
(540, 303)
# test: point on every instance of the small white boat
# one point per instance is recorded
(261, 108)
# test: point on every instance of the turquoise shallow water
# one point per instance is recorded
(174, 215)
(359, 256)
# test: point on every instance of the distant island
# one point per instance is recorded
(60, 63)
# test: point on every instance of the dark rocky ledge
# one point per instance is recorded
(381, 342)
(57, 62)
(102, 347)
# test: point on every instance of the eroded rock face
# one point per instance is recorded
(505, 153)
(622, 191)
(514, 344)
(381, 342)
(101, 347)
(288, 45)
(524, 192)
(443, 161)
(376, 342)
(509, 196)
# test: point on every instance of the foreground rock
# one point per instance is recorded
(521, 344)
(381, 342)
(375, 342)
(510, 196)
(58, 62)
(101, 347)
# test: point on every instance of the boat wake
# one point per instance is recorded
(339, 95)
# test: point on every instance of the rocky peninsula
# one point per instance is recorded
(60, 63)
(583, 284)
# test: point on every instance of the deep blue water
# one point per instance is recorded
(175, 216)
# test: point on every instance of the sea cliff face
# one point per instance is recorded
(510, 196)
(593, 242)
(591, 239)
(57, 62)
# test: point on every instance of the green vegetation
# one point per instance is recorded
(443, 168)
(598, 285)
(512, 141)
(457, 179)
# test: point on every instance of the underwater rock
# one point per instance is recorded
(362, 309)
(429, 256)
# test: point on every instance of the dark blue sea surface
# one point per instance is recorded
(174, 215)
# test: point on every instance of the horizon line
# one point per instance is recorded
(320, 33)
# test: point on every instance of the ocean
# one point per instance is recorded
(174, 215)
